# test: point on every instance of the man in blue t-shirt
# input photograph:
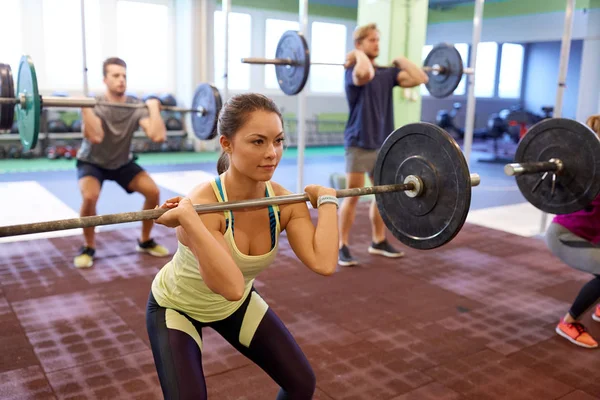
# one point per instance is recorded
(369, 94)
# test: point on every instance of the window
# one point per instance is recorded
(240, 40)
(327, 78)
(93, 45)
(144, 43)
(11, 46)
(485, 78)
(426, 50)
(511, 69)
(62, 45)
(274, 29)
(463, 50)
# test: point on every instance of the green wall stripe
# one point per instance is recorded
(291, 6)
(505, 8)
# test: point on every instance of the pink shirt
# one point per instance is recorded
(584, 223)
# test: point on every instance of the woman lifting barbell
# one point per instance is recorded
(209, 281)
(575, 239)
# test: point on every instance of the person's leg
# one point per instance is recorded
(379, 244)
(258, 333)
(582, 255)
(90, 180)
(133, 178)
(347, 215)
(176, 343)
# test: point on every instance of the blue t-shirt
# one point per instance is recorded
(371, 109)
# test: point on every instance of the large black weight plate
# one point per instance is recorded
(443, 84)
(292, 78)
(437, 215)
(578, 147)
(207, 97)
(7, 89)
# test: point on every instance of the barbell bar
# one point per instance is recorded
(567, 152)
(413, 187)
(443, 64)
(290, 62)
(27, 104)
(83, 102)
(422, 187)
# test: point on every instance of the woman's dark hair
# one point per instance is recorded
(233, 116)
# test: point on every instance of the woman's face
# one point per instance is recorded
(258, 146)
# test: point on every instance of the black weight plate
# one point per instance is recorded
(7, 89)
(207, 97)
(437, 215)
(292, 78)
(443, 84)
(578, 147)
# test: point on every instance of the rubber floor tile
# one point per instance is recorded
(25, 384)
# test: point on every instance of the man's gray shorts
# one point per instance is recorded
(360, 160)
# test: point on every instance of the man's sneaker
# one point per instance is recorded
(345, 258)
(385, 249)
(576, 334)
(85, 258)
(596, 314)
(152, 248)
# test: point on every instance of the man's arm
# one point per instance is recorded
(364, 71)
(411, 75)
(92, 126)
(154, 126)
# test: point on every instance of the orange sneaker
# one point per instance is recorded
(576, 334)
(596, 314)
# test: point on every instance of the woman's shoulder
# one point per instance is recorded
(278, 189)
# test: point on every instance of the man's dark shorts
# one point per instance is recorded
(122, 175)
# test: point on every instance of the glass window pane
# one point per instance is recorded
(62, 45)
(143, 43)
(274, 28)
(11, 47)
(426, 49)
(240, 41)
(485, 80)
(511, 69)
(327, 78)
(463, 49)
(93, 45)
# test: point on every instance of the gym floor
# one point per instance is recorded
(473, 319)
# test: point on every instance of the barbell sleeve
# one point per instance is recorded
(516, 169)
(268, 61)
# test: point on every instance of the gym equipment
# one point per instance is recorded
(567, 155)
(443, 64)
(422, 187)
(427, 156)
(29, 104)
(6, 90)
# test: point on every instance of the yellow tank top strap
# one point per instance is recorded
(220, 193)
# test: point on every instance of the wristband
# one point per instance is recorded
(327, 199)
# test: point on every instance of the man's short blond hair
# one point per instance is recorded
(361, 32)
(594, 123)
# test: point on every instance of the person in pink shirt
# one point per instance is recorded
(575, 239)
